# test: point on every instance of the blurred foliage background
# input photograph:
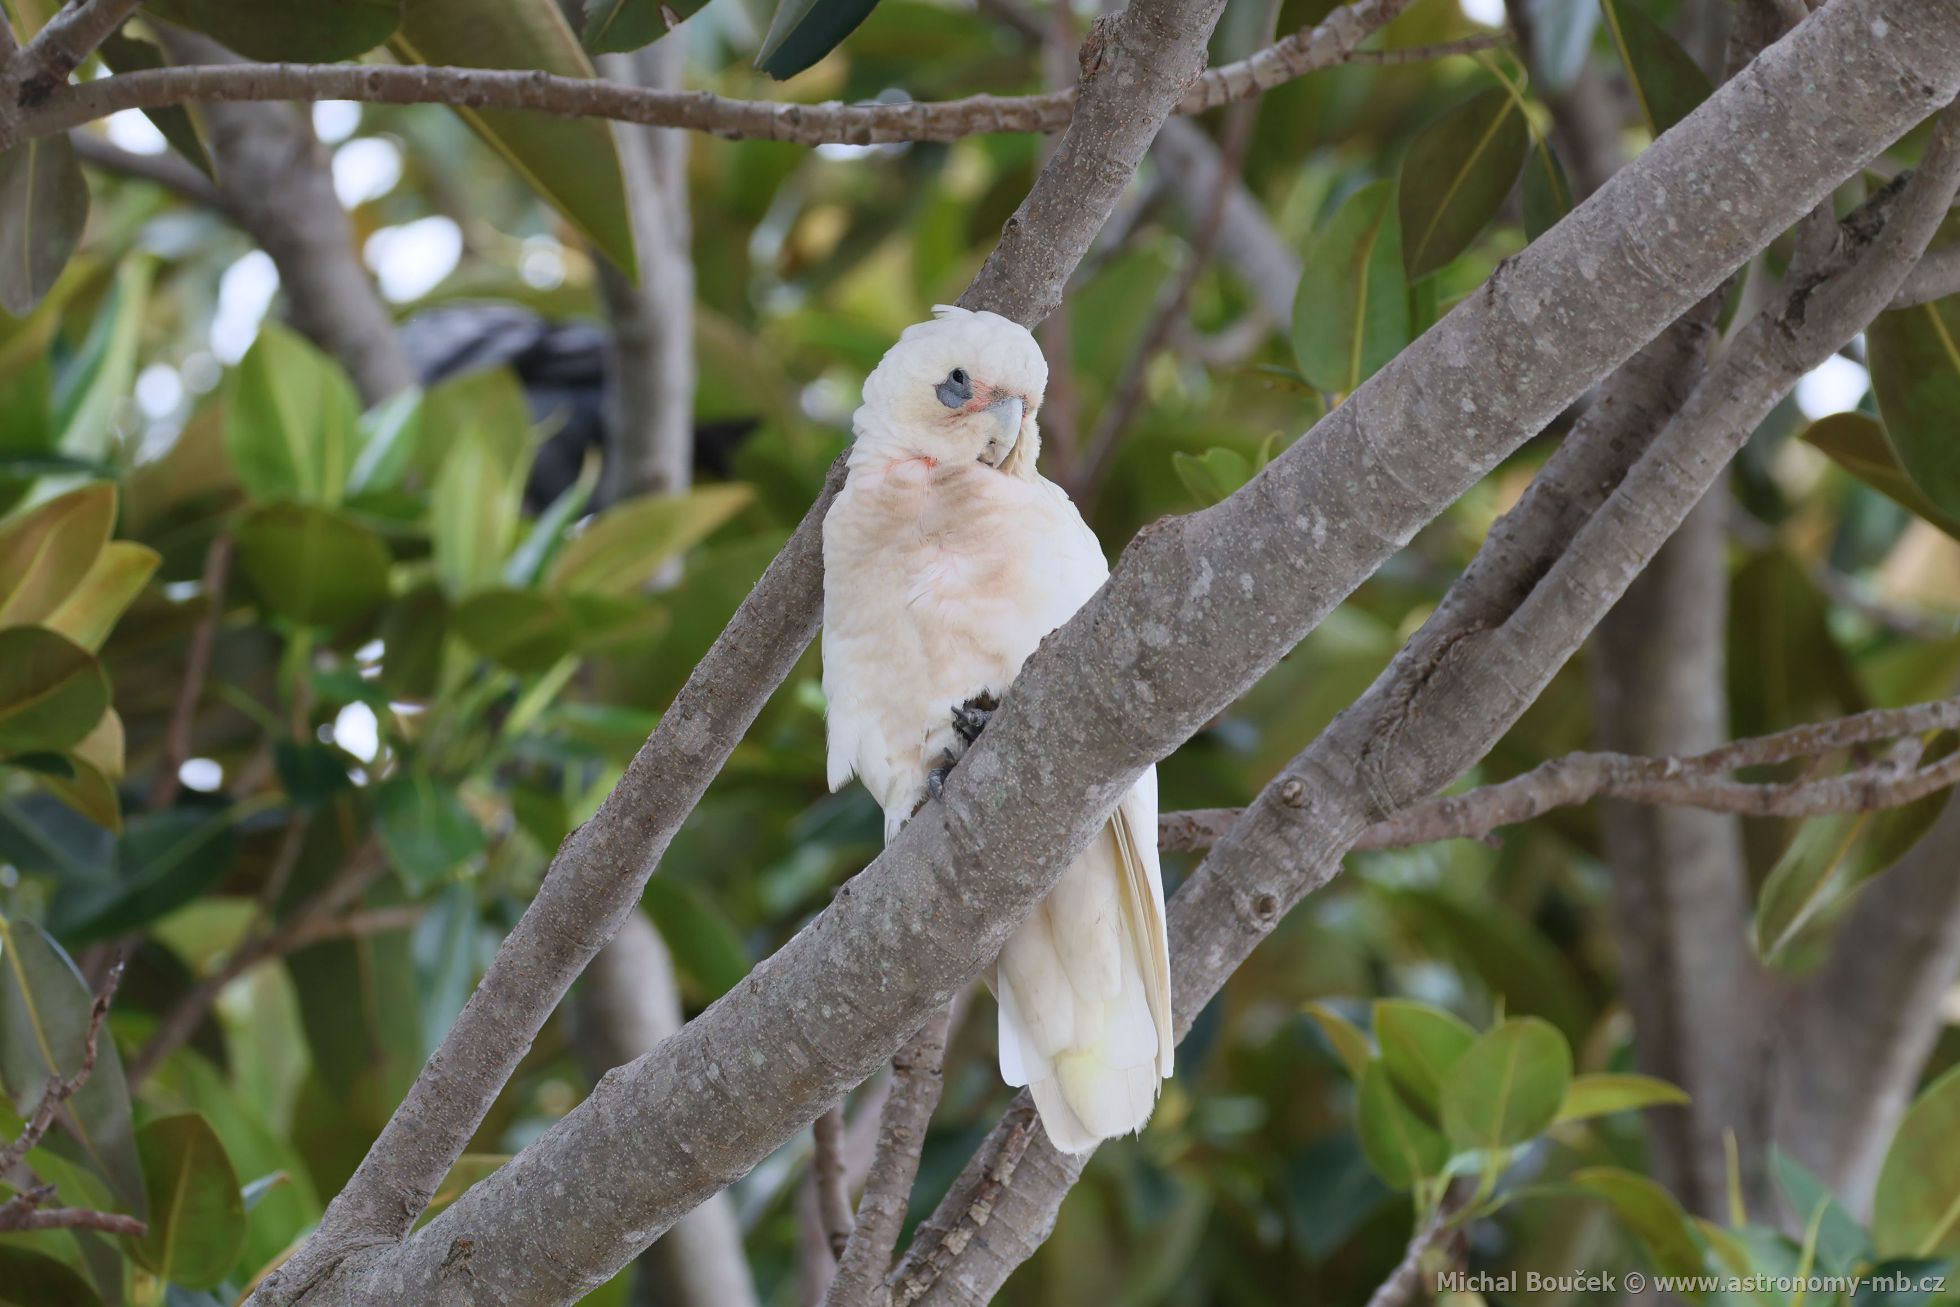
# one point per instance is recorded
(270, 654)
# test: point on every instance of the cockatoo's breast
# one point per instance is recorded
(939, 581)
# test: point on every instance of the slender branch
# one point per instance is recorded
(69, 38)
(22, 1212)
(937, 1246)
(167, 169)
(827, 1168)
(59, 1088)
(1332, 42)
(1694, 781)
(916, 1084)
(197, 667)
(1936, 277)
(1404, 1283)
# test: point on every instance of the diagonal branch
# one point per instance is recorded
(69, 38)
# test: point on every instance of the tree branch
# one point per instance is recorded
(827, 1170)
(168, 169)
(69, 38)
(1332, 42)
(1936, 277)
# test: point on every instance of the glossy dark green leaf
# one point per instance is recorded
(1666, 81)
(1400, 1145)
(43, 208)
(1603, 1093)
(312, 774)
(425, 828)
(1507, 1087)
(164, 860)
(318, 31)
(1351, 314)
(413, 630)
(707, 951)
(1547, 193)
(1916, 1209)
(804, 31)
(1785, 664)
(570, 162)
(1841, 1244)
(615, 25)
(523, 630)
(29, 1279)
(1905, 1282)
(1915, 367)
(52, 691)
(196, 1213)
(1419, 1045)
(1653, 1215)
(1455, 177)
(44, 1018)
(312, 564)
(292, 421)
(1857, 443)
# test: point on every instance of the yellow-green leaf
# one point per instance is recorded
(1400, 1145)
(121, 570)
(623, 548)
(312, 564)
(1653, 1215)
(1420, 1044)
(292, 420)
(1600, 1094)
(1351, 314)
(1916, 1209)
(46, 552)
(197, 1215)
(1507, 1087)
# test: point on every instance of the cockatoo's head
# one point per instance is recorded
(964, 386)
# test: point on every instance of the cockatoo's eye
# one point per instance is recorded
(956, 389)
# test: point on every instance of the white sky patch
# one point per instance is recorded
(411, 260)
(366, 169)
(357, 731)
(201, 774)
(1488, 12)
(244, 294)
(1833, 386)
(159, 391)
(135, 133)
(336, 120)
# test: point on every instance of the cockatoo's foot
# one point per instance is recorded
(936, 778)
(971, 717)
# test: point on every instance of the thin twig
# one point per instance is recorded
(1695, 781)
(827, 1168)
(1405, 1281)
(168, 169)
(197, 666)
(21, 1213)
(915, 1089)
(64, 107)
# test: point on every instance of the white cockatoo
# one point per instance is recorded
(947, 557)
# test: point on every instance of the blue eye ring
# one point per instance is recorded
(956, 389)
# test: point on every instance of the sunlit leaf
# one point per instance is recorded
(292, 420)
(1455, 177)
(1916, 1208)
(46, 552)
(1400, 1145)
(625, 547)
(1915, 366)
(89, 613)
(1666, 81)
(312, 564)
(52, 691)
(44, 1018)
(1603, 1093)
(43, 208)
(570, 162)
(197, 1215)
(97, 381)
(1507, 1087)
(1351, 314)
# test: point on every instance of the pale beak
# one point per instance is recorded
(1007, 411)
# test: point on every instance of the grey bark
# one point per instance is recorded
(1199, 607)
(275, 183)
(628, 1002)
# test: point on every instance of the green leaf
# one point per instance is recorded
(1830, 859)
(44, 1018)
(29, 1279)
(1349, 1043)
(520, 629)
(1455, 177)
(425, 828)
(1419, 1046)
(312, 774)
(389, 433)
(570, 162)
(164, 860)
(52, 691)
(45, 553)
(311, 564)
(473, 515)
(612, 26)
(1841, 1244)
(1785, 664)
(98, 380)
(1666, 81)
(707, 951)
(526, 563)
(292, 420)
(1915, 367)
(1916, 1209)
(197, 1216)
(1602, 1094)
(1651, 1213)
(804, 31)
(43, 208)
(1857, 444)
(1904, 1282)
(1351, 314)
(1547, 193)
(1400, 1145)
(413, 630)
(1213, 476)
(89, 613)
(1507, 1087)
(624, 548)
(318, 31)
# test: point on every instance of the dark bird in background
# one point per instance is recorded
(562, 367)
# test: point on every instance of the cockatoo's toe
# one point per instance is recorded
(936, 778)
(971, 717)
